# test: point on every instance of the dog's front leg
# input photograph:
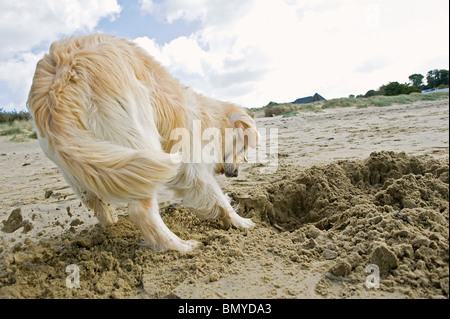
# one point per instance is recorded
(202, 193)
(231, 218)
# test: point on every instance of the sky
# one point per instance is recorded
(249, 52)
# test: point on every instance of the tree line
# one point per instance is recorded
(10, 117)
(435, 79)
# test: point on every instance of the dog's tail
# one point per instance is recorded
(111, 171)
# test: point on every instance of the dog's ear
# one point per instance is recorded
(245, 126)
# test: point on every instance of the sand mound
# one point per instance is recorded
(390, 210)
(317, 231)
(320, 195)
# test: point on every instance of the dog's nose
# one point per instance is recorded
(235, 173)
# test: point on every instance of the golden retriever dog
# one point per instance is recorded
(118, 126)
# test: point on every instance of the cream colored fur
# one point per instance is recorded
(105, 111)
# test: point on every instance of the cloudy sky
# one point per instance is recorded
(246, 51)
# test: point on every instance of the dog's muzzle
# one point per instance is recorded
(230, 170)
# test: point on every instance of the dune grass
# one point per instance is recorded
(288, 109)
(16, 125)
(381, 100)
(19, 131)
(290, 113)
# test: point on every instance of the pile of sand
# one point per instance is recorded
(317, 231)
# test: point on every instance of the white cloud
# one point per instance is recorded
(17, 74)
(175, 9)
(284, 50)
(249, 51)
(27, 24)
(153, 49)
(210, 12)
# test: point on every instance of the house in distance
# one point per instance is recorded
(309, 99)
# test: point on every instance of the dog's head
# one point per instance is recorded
(239, 134)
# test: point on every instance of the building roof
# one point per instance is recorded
(309, 99)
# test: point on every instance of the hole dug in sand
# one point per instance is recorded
(327, 195)
(357, 213)
(317, 231)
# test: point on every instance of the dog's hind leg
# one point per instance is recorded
(105, 214)
(145, 215)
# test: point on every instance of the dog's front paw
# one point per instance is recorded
(183, 246)
(237, 221)
(187, 245)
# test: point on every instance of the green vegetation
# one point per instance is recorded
(18, 125)
(274, 109)
(436, 79)
(10, 117)
(393, 89)
(389, 94)
(380, 100)
(290, 113)
(288, 109)
(18, 130)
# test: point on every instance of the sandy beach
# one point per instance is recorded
(353, 188)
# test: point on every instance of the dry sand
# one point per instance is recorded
(353, 188)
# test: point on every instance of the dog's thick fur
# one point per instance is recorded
(105, 113)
